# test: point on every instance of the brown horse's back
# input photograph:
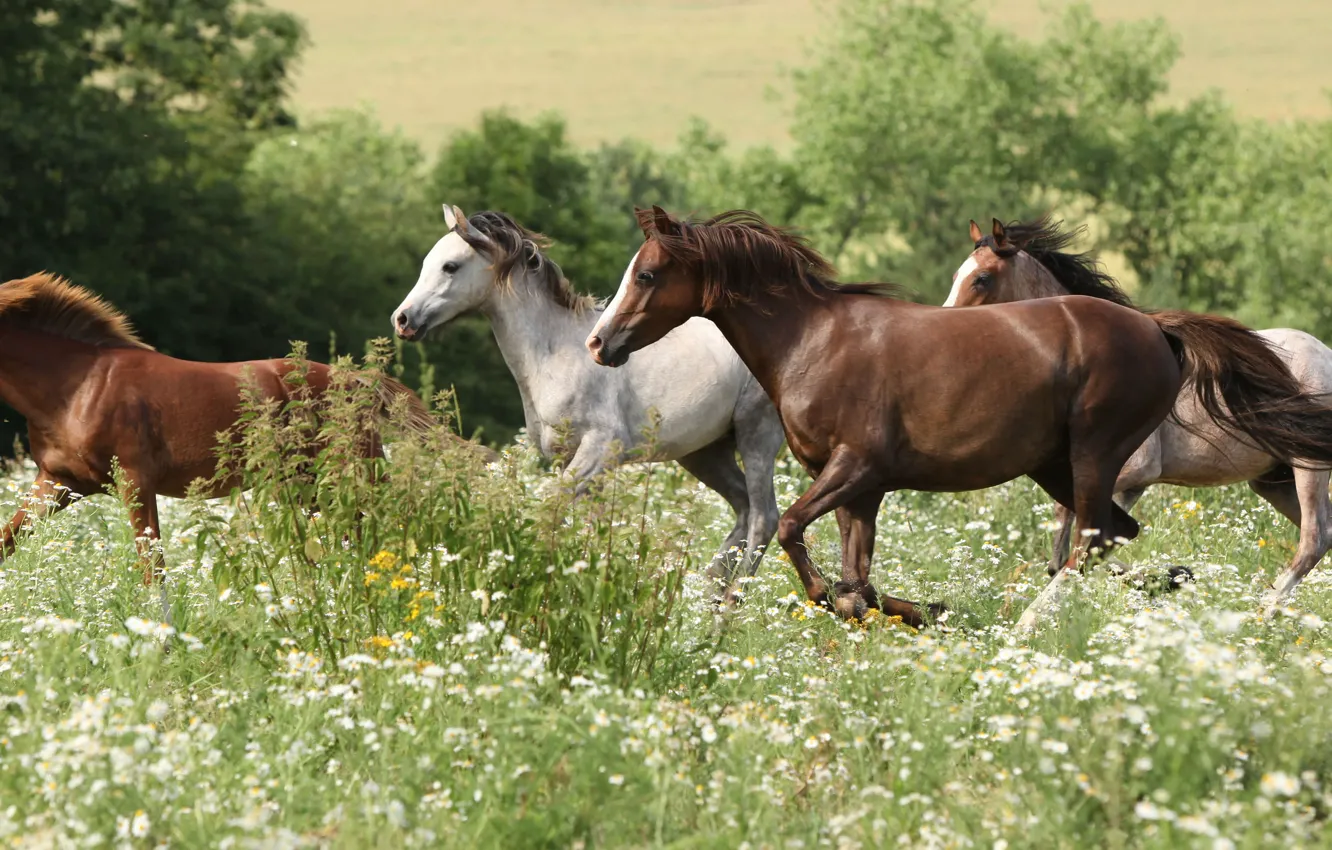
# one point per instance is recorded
(973, 397)
(160, 417)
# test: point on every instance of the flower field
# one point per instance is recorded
(486, 663)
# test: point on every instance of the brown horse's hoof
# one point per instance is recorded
(851, 607)
(1179, 575)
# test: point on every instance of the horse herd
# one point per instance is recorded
(731, 336)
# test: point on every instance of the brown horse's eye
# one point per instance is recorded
(981, 281)
(644, 277)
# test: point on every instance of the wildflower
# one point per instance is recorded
(384, 561)
(1147, 810)
(371, 577)
(617, 779)
(139, 825)
(1279, 784)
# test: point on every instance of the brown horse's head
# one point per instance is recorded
(661, 290)
(1019, 261)
(687, 269)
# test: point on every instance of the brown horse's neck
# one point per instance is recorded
(39, 372)
(775, 337)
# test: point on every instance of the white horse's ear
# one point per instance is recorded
(450, 216)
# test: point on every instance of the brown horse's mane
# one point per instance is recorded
(50, 304)
(512, 246)
(1046, 241)
(741, 256)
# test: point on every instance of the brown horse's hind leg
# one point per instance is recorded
(46, 497)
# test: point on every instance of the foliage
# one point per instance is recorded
(430, 653)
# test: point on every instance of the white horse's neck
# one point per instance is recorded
(539, 340)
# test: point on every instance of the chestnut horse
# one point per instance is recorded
(879, 394)
(1031, 260)
(92, 392)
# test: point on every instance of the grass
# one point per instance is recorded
(618, 69)
(487, 665)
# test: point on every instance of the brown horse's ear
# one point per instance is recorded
(975, 232)
(662, 220)
(644, 219)
(1000, 237)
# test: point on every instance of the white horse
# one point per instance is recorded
(691, 390)
(1029, 261)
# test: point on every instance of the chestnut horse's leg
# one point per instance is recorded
(845, 480)
(46, 497)
(147, 534)
(148, 537)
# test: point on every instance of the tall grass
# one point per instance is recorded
(434, 651)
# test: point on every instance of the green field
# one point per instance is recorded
(485, 665)
(618, 69)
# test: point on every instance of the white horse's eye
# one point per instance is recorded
(450, 267)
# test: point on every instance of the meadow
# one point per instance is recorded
(642, 70)
(457, 655)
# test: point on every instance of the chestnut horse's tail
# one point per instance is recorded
(1246, 387)
(389, 390)
(419, 420)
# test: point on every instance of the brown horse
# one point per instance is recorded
(1031, 260)
(92, 392)
(879, 394)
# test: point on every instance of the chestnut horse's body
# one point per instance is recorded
(878, 394)
(92, 392)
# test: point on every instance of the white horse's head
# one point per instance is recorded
(456, 278)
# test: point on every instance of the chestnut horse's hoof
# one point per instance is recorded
(851, 606)
(1179, 575)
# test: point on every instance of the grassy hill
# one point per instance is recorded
(642, 69)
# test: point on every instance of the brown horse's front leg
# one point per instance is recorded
(147, 536)
(46, 497)
(845, 478)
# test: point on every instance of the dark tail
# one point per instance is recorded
(419, 420)
(1245, 387)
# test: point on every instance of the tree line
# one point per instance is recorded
(149, 150)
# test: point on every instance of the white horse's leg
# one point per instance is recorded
(759, 436)
(595, 453)
(715, 466)
(1305, 503)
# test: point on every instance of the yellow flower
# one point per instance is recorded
(379, 642)
(384, 560)
(401, 583)
(371, 577)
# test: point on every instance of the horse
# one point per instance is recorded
(1030, 260)
(706, 403)
(877, 393)
(95, 396)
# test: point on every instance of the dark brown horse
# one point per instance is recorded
(879, 394)
(92, 391)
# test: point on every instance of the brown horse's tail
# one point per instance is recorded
(1246, 387)
(419, 420)
(389, 390)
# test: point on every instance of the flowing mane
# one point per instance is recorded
(50, 304)
(1045, 240)
(741, 256)
(512, 246)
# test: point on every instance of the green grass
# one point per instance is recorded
(617, 69)
(486, 665)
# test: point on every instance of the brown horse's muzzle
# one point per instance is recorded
(607, 352)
